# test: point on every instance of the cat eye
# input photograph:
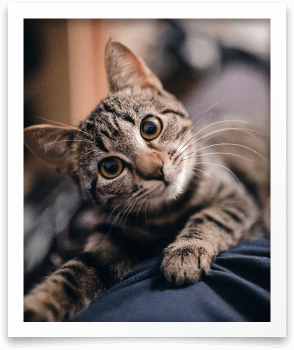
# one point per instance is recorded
(111, 167)
(150, 128)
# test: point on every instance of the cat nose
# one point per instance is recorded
(150, 167)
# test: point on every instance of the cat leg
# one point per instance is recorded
(71, 288)
(223, 224)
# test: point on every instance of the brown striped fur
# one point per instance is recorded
(166, 198)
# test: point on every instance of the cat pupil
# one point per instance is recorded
(149, 128)
(110, 166)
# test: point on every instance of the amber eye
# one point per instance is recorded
(150, 128)
(111, 167)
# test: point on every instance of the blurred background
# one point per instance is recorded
(201, 61)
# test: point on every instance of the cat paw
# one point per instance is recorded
(184, 263)
(35, 311)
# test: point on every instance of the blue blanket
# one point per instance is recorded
(237, 289)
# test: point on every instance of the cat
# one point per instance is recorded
(159, 188)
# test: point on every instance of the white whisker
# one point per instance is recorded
(227, 144)
(225, 153)
(139, 208)
(222, 121)
(146, 214)
(103, 84)
(202, 172)
(222, 166)
(68, 126)
(131, 207)
(191, 137)
(248, 131)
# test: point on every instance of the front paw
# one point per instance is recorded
(184, 262)
(36, 311)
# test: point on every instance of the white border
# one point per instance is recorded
(16, 14)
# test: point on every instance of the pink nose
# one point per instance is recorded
(149, 167)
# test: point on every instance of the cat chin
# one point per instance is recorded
(179, 185)
(171, 192)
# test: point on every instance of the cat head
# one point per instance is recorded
(129, 150)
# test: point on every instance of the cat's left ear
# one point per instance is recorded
(55, 145)
(125, 69)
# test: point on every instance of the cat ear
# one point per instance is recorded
(52, 144)
(125, 69)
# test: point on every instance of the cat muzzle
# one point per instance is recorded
(150, 167)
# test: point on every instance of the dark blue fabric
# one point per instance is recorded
(236, 289)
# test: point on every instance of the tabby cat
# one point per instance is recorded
(158, 188)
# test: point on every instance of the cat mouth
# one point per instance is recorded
(161, 190)
(166, 183)
(158, 190)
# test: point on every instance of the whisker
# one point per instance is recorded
(222, 166)
(92, 151)
(146, 214)
(215, 104)
(225, 153)
(193, 125)
(186, 135)
(226, 144)
(202, 172)
(114, 221)
(129, 211)
(142, 202)
(220, 130)
(222, 121)
(120, 203)
(193, 172)
(125, 198)
(129, 205)
(124, 210)
(205, 112)
(69, 126)
(52, 143)
(103, 84)
(166, 203)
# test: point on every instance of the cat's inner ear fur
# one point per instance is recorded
(54, 145)
(125, 69)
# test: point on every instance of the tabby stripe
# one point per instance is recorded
(219, 189)
(103, 272)
(71, 286)
(108, 108)
(77, 269)
(93, 190)
(219, 224)
(104, 132)
(192, 234)
(114, 117)
(180, 133)
(71, 292)
(110, 126)
(233, 215)
(128, 118)
(52, 308)
(101, 145)
(68, 276)
(172, 111)
(149, 144)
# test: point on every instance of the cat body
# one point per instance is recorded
(157, 185)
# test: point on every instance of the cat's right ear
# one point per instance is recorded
(54, 145)
(126, 69)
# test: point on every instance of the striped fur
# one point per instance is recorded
(191, 208)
